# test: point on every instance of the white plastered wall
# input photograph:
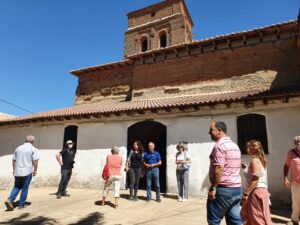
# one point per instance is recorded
(95, 140)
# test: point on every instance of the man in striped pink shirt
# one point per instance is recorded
(224, 195)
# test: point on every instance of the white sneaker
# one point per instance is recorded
(179, 199)
(184, 199)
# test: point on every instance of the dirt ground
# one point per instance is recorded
(83, 208)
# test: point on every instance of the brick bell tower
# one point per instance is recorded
(158, 26)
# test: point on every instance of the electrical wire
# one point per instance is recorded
(9, 103)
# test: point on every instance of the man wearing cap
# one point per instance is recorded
(25, 164)
(293, 163)
(65, 159)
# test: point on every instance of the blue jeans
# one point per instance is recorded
(21, 183)
(153, 174)
(226, 203)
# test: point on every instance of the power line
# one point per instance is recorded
(16, 106)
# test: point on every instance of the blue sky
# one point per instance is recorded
(41, 40)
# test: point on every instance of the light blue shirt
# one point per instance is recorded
(24, 156)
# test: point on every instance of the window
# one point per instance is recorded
(71, 134)
(252, 127)
(163, 39)
(144, 43)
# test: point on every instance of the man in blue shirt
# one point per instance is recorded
(152, 160)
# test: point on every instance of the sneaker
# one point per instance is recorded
(148, 200)
(58, 196)
(184, 200)
(135, 198)
(179, 199)
(9, 205)
(131, 198)
(158, 200)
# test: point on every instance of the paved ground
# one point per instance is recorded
(83, 208)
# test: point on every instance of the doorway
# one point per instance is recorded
(146, 131)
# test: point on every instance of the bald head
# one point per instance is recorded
(151, 146)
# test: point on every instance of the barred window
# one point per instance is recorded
(252, 127)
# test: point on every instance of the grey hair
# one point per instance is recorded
(181, 145)
(30, 139)
(296, 139)
(221, 126)
(115, 150)
(151, 143)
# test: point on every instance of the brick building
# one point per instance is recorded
(168, 88)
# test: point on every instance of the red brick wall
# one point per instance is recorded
(281, 56)
(105, 82)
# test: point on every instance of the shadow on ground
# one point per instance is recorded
(26, 219)
(126, 196)
(91, 219)
(170, 196)
(108, 203)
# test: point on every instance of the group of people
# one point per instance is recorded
(225, 195)
(140, 163)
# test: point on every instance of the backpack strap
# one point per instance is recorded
(296, 153)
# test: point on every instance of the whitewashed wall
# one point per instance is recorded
(95, 139)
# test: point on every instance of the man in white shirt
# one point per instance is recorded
(25, 164)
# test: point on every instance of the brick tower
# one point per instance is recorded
(158, 26)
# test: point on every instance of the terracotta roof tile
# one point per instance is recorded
(157, 103)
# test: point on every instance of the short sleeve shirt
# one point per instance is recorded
(114, 163)
(182, 156)
(293, 161)
(67, 158)
(226, 153)
(151, 158)
(24, 156)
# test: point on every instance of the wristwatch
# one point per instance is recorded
(213, 188)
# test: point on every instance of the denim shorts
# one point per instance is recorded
(226, 203)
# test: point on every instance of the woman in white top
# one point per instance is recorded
(183, 161)
(255, 202)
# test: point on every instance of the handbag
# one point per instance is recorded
(186, 165)
(105, 172)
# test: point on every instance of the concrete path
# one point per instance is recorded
(83, 208)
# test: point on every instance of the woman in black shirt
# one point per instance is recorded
(134, 167)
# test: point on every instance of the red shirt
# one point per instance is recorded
(114, 163)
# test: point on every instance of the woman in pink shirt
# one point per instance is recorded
(114, 163)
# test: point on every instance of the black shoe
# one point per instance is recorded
(158, 200)
(22, 206)
(131, 198)
(58, 196)
(65, 195)
(135, 198)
